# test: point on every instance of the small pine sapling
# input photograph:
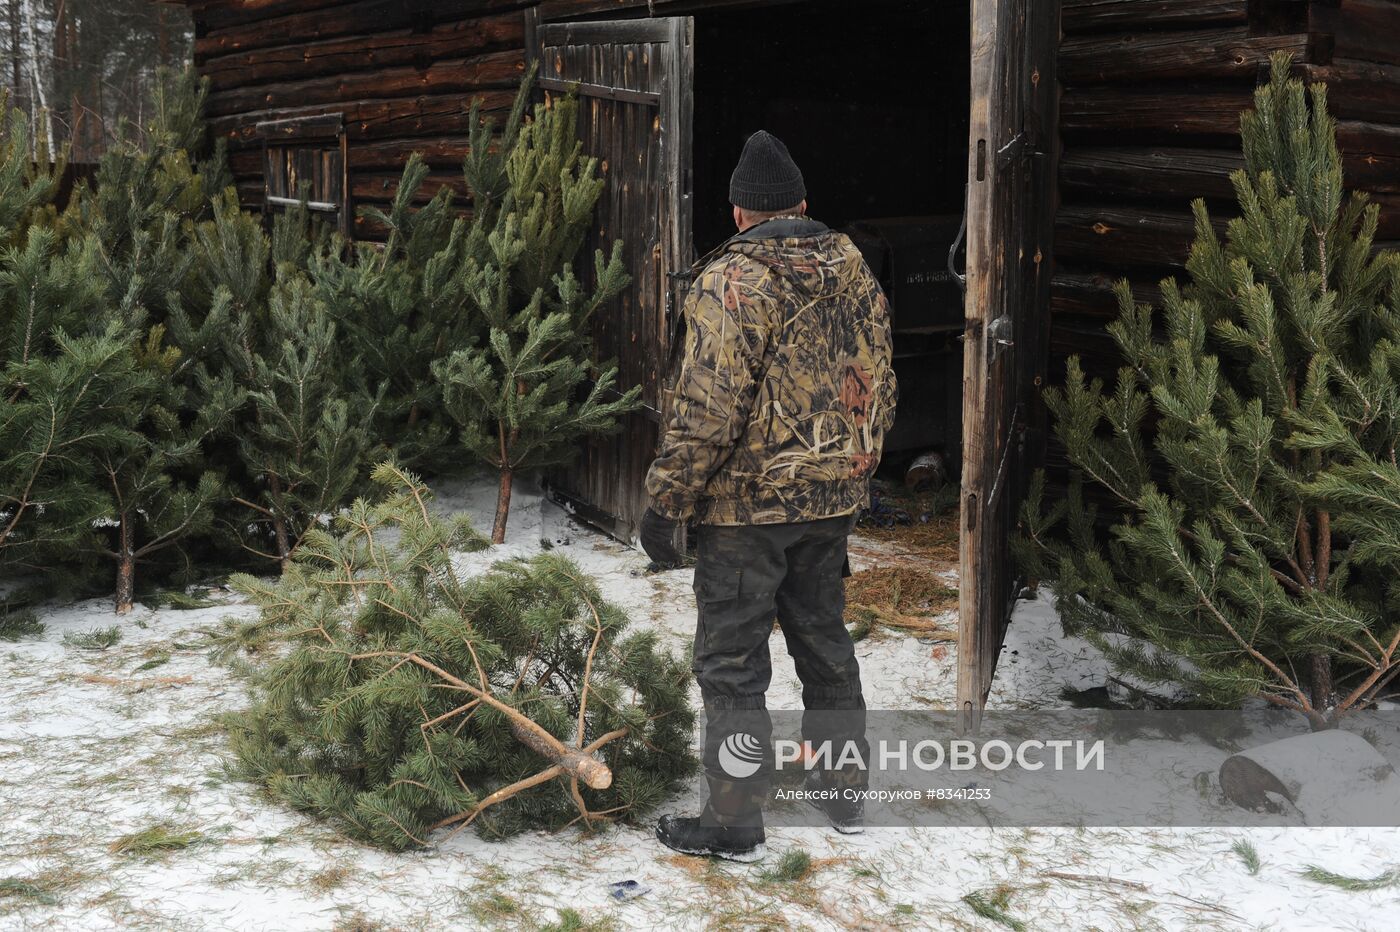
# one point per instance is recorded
(303, 439)
(1249, 446)
(528, 390)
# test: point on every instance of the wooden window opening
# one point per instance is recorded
(304, 162)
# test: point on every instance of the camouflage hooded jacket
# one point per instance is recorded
(786, 390)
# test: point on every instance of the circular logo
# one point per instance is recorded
(741, 755)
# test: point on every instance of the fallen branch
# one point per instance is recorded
(138, 685)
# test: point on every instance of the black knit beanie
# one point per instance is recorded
(766, 177)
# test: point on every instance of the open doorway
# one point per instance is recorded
(874, 107)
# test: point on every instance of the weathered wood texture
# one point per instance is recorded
(1011, 163)
(1091, 15)
(1155, 56)
(353, 54)
(299, 25)
(1152, 93)
(401, 75)
(643, 141)
(1361, 30)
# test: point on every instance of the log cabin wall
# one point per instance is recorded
(402, 73)
(1149, 118)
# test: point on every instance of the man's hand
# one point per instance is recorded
(658, 536)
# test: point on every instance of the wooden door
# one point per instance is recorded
(1009, 213)
(633, 79)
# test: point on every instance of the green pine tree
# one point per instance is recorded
(308, 437)
(403, 306)
(303, 420)
(149, 193)
(153, 506)
(527, 389)
(59, 373)
(413, 699)
(1249, 447)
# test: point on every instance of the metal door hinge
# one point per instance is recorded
(1000, 332)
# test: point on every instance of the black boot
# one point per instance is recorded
(704, 835)
(845, 814)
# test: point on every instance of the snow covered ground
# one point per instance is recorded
(96, 752)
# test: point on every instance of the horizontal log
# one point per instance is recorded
(1376, 138)
(1359, 90)
(1389, 227)
(348, 19)
(1090, 294)
(461, 39)
(395, 118)
(1140, 57)
(572, 9)
(1098, 353)
(1091, 15)
(1368, 30)
(437, 151)
(1115, 116)
(484, 72)
(301, 129)
(1376, 173)
(1180, 174)
(1119, 237)
(381, 186)
(223, 14)
(444, 153)
(251, 193)
(245, 162)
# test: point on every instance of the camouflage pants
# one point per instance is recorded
(745, 577)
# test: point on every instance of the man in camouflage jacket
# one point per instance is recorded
(783, 400)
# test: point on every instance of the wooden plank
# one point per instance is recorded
(300, 128)
(1140, 57)
(1370, 155)
(1136, 118)
(1362, 136)
(1090, 294)
(1092, 15)
(1359, 90)
(1180, 174)
(1009, 67)
(224, 14)
(348, 19)
(1135, 172)
(484, 72)
(381, 186)
(552, 10)
(1366, 30)
(396, 118)
(984, 255)
(437, 152)
(1367, 172)
(1120, 237)
(639, 137)
(1033, 333)
(564, 9)
(460, 39)
(1389, 228)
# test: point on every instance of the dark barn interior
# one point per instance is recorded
(875, 110)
